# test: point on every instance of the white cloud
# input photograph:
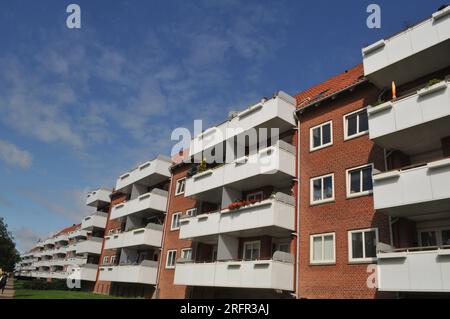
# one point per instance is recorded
(25, 238)
(12, 155)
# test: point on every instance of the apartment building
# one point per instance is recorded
(132, 245)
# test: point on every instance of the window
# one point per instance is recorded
(181, 183)
(170, 261)
(110, 232)
(112, 260)
(105, 260)
(258, 196)
(252, 250)
(321, 136)
(214, 253)
(322, 189)
(175, 221)
(359, 181)
(191, 212)
(284, 247)
(356, 124)
(363, 245)
(322, 249)
(186, 253)
(434, 237)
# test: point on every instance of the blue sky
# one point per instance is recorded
(80, 107)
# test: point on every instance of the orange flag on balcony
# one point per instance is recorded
(394, 91)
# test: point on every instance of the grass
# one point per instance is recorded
(22, 293)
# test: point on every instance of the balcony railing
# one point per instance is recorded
(151, 235)
(408, 55)
(419, 269)
(156, 200)
(87, 272)
(97, 197)
(144, 273)
(96, 220)
(275, 213)
(416, 191)
(92, 245)
(403, 123)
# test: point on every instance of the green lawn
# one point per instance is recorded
(22, 293)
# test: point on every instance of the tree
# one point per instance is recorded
(9, 255)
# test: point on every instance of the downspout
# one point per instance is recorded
(163, 236)
(391, 221)
(297, 233)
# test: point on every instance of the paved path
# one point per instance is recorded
(8, 293)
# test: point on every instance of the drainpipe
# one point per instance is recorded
(158, 274)
(297, 232)
(391, 221)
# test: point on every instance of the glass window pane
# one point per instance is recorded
(328, 187)
(363, 121)
(428, 238)
(367, 179)
(355, 182)
(446, 237)
(326, 131)
(317, 248)
(317, 188)
(316, 137)
(370, 242)
(357, 245)
(351, 125)
(328, 250)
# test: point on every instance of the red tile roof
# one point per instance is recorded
(331, 86)
(68, 229)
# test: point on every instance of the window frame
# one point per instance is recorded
(183, 179)
(311, 136)
(172, 228)
(349, 137)
(364, 259)
(311, 190)
(170, 251)
(191, 210)
(248, 243)
(186, 249)
(348, 181)
(105, 260)
(311, 249)
(255, 194)
(112, 260)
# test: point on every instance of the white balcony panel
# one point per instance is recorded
(238, 274)
(416, 191)
(96, 220)
(143, 274)
(149, 236)
(97, 197)
(273, 113)
(408, 55)
(92, 246)
(418, 271)
(156, 200)
(87, 272)
(271, 214)
(414, 124)
(273, 166)
(148, 173)
(78, 233)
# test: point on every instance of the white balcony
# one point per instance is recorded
(75, 261)
(78, 233)
(413, 124)
(148, 173)
(98, 197)
(408, 55)
(276, 112)
(264, 274)
(145, 273)
(96, 220)
(273, 217)
(151, 235)
(87, 272)
(57, 274)
(90, 246)
(274, 165)
(414, 271)
(155, 201)
(416, 191)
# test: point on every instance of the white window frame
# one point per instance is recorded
(189, 212)
(180, 180)
(311, 190)
(105, 260)
(437, 229)
(112, 260)
(349, 137)
(251, 243)
(350, 246)
(311, 136)
(187, 249)
(348, 181)
(311, 249)
(169, 252)
(172, 227)
(256, 194)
